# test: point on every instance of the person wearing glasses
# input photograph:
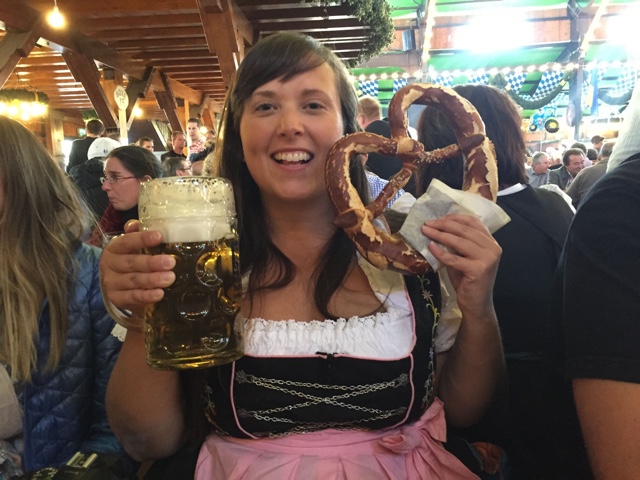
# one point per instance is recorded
(176, 167)
(125, 169)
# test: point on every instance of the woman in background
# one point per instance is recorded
(539, 422)
(56, 347)
(124, 170)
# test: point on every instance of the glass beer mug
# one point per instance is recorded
(193, 326)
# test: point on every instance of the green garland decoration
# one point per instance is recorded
(611, 100)
(500, 81)
(22, 95)
(377, 15)
(90, 115)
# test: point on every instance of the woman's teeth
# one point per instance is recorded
(292, 158)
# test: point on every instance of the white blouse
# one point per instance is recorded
(384, 335)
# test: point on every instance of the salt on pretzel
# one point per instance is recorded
(381, 249)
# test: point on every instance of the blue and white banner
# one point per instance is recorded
(369, 88)
(398, 83)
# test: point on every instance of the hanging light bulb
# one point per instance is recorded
(55, 18)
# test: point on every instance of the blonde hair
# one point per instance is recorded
(42, 221)
(370, 108)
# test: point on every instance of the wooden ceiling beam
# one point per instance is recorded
(48, 61)
(85, 71)
(136, 90)
(296, 13)
(196, 77)
(139, 21)
(15, 46)
(149, 33)
(160, 43)
(35, 69)
(168, 105)
(221, 31)
(350, 24)
(212, 6)
(83, 9)
(197, 52)
(181, 90)
(169, 69)
(179, 62)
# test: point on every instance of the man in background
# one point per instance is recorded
(370, 120)
(572, 162)
(80, 148)
(176, 167)
(538, 172)
(177, 146)
(87, 175)
(589, 176)
(196, 142)
(597, 142)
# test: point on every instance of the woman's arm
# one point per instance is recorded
(144, 405)
(609, 416)
(467, 375)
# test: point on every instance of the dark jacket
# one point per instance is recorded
(64, 410)
(560, 177)
(79, 152)
(87, 178)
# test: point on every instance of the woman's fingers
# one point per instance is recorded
(130, 278)
(471, 255)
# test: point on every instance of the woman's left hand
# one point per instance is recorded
(472, 261)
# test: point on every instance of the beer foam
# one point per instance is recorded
(187, 209)
(191, 229)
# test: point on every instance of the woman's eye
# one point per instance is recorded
(315, 105)
(263, 107)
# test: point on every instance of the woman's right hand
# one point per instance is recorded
(131, 279)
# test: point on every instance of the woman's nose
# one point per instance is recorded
(105, 186)
(290, 123)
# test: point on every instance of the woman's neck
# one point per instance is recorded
(301, 231)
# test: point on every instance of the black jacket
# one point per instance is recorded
(87, 178)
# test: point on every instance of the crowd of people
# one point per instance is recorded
(504, 364)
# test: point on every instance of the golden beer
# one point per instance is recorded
(193, 326)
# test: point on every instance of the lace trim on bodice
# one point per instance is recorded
(384, 335)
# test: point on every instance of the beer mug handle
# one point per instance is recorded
(120, 317)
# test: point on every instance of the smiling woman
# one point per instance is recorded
(338, 374)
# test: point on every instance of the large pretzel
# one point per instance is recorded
(480, 172)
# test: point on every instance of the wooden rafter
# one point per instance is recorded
(138, 89)
(15, 46)
(224, 37)
(167, 103)
(85, 71)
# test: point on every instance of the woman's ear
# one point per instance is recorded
(146, 178)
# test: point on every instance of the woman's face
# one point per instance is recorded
(287, 129)
(123, 194)
(148, 145)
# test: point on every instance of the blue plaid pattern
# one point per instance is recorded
(481, 79)
(626, 80)
(376, 184)
(369, 88)
(398, 83)
(515, 80)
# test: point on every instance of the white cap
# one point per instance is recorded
(101, 147)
